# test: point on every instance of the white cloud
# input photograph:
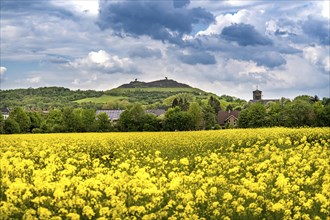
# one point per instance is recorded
(244, 67)
(3, 70)
(326, 64)
(298, 75)
(34, 80)
(312, 54)
(70, 31)
(326, 8)
(318, 55)
(85, 80)
(226, 20)
(238, 3)
(104, 62)
(10, 31)
(89, 7)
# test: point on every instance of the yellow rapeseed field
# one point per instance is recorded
(276, 173)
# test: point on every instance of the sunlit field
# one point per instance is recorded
(273, 173)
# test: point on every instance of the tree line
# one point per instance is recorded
(302, 111)
(183, 115)
(46, 98)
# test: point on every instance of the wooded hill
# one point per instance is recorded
(164, 83)
(155, 94)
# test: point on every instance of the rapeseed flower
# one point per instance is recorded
(244, 174)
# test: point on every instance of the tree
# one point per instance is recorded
(23, 120)
(244, 119)
(314, 99)
(54, 122)
(299, 112)
(175, 119)
(229, 108)
(103, 122)
(71, 119)
(274, 113)
(11, 126)
(196, 114)
(151, 123)
(215, 104)
(325, 116)
(253, 117)
(175, 103)
(325, 101)
(88, 121)
(2, 122)
(322, 114)
(36, 120)
(183, 104)
(209, 116)
(186, 98)
(258, 115)
(306, 98)
(132, 119)
(77, 123)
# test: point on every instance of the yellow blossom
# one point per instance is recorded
(227, 196)
(184, 161)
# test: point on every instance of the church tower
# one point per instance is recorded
(257, 95)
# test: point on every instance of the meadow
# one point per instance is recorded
(276, 173)
(102, 99)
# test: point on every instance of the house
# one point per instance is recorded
(5, 112)
(257, 97)
(157, 112)
(113, 115)
(228, 117)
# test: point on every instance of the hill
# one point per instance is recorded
(146, 93)
(154, 94)
(164, 83)
(44, 97)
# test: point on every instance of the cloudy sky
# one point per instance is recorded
(221, 46)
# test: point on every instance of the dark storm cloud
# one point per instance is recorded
(160, 20)
(204, 58)
(319, 29)
(244, 35)
(145, 52)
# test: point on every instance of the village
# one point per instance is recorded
(181, 115)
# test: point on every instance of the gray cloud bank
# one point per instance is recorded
(224, 46)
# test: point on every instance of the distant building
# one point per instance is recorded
(228, 117)
(113, 115)
(157, 112)
(257, 97)
(5, 112)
